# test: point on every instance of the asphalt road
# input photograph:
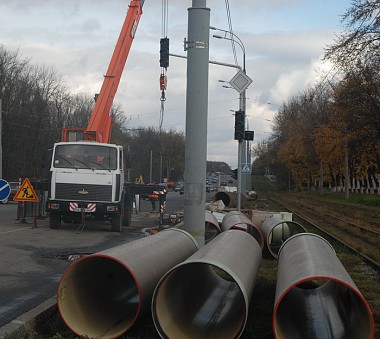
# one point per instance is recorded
(34, 258)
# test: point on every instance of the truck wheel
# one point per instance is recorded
(54, 220)
(127, 219)
(128, 208)
(116, 223)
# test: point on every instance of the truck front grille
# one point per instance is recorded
(82, 192)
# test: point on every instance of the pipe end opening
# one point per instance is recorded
(98, 297)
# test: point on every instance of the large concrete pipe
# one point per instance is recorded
(315, 296)
(251, 195)
(212, 228)
(208, 295)
(229, 199)
(102, 295)
(277, 231)
(258, 217)
(239, 221)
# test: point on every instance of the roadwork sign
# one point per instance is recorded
(26, 192)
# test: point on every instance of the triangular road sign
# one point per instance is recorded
(246, 168)
(26, 192)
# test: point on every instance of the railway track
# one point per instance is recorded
(363, 238)
(325, 210)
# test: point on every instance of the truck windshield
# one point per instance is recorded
(81, 156)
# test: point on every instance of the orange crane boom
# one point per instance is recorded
(99, 126)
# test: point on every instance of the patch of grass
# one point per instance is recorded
(259, 323)
(373, 201)
(370, 200)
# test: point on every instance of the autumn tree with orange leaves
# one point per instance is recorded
(313, 129)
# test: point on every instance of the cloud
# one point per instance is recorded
(87, 26)
(283, 46)
(295, 81)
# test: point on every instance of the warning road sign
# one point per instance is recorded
(26, 192)
(246, 168)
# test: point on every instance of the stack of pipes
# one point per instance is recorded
(206, 292)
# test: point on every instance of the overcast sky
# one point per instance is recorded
(284, 42)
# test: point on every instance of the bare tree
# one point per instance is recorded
(361, 39)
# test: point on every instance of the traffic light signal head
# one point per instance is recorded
(249, 135)
(239, 125)
(234, 174)
(164, 52)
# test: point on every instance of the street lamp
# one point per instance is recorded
(242, 105)
(234, 38)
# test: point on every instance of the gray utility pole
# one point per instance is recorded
(241, 154)
(240, 82)
(151, 167)
(197, 47)
(1, 145)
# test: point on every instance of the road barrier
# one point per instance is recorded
(315, 296)
(102, 295)
(208, 295)
(277, 231)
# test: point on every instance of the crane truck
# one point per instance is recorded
(87, 172)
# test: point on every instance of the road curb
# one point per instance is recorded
(41, 316)
(27, 322)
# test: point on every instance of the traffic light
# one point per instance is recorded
(234, 174)
(164, 52)
(248, 135)
(239, 125)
